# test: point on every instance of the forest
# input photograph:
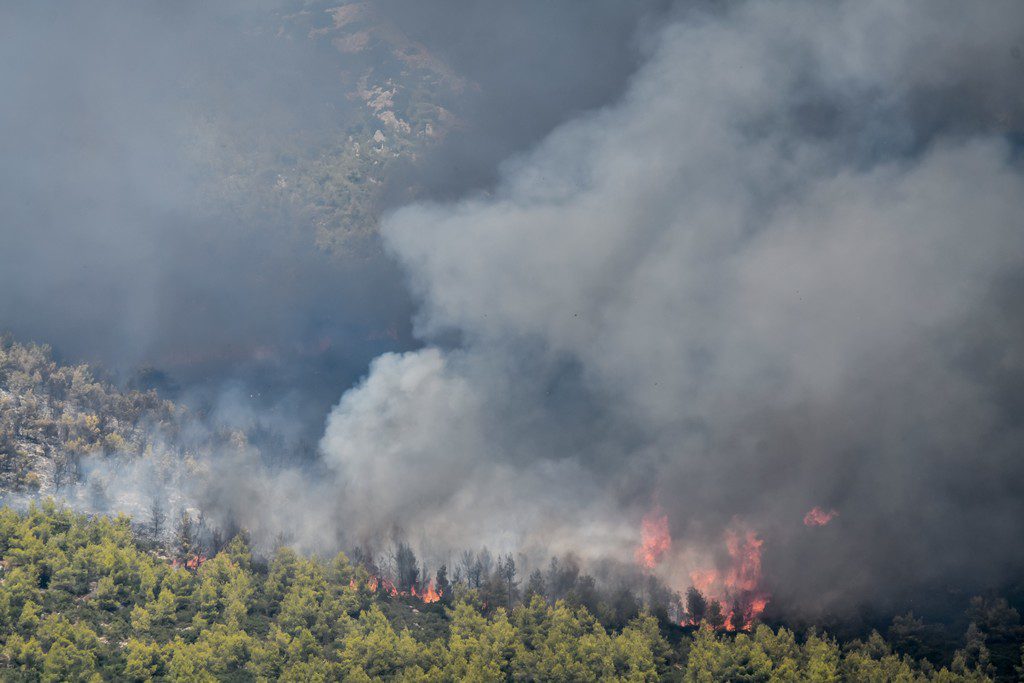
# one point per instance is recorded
(91, 598)
(349, 340)
(170, 595)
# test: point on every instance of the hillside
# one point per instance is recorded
(87, 599)
(383, 99)
(52, 416)
(165, 596)
(390, 340)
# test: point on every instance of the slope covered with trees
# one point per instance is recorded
(53, 415)
(168, 597)
(90, 598)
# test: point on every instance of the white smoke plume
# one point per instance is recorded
(782, 271)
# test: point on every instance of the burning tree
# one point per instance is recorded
(696, 606)
(407, 569)
(655, 539)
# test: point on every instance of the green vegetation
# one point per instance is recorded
(95, 598)
(87, 599)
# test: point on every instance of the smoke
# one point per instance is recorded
(179, 186)
(731, 262)
(138, 142)
(781, 272)
(182, 206)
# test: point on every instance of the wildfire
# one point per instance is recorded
(655, 539)
(704, 580)
(745, 550)
(192, 563)
(427, 593)
(818, 517)
(738, 588)
(384, 585)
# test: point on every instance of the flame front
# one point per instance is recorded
(385, 585)
(426, 594)
(704, 580)
(738, 589)
(655, 539)
(745, 550)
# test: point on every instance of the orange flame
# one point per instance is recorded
(192, 563)
(739, 585)
(704, 580)
(427, 594)
(655, 539)
(384, 585)
(737, 589)
(818, 517)
(745, 573)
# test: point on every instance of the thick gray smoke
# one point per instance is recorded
(130, 234)
(777, 267)
(783, 271)
(165, 170)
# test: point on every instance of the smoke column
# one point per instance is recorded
(782, 271)
(713, 264)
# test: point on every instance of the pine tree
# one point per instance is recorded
(696, 605)
(184, 537)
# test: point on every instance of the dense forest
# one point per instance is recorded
(89, 598)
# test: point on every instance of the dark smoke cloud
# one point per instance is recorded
(139, 144)
(536, 63)
(114, 247)
(783, 271)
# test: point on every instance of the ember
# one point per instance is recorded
(818, 517)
